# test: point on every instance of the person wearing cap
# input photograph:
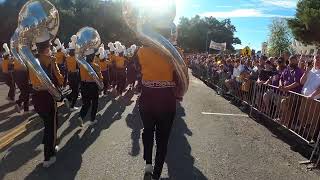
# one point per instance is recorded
(89, 89)
(157, 103)
(61, 60)
(7, 70)
(73, 74)
(22, 80)
(44, 103)
(104, 65)
(112, 71)
(120, 68)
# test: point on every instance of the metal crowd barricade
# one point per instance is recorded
(291, 110)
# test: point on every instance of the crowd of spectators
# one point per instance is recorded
(291, 84)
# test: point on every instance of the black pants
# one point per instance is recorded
(106, 79)
(46, 107)
(10, 82)
(22, 81)
(90, 96)
(157, 111)
(64, 73)
(74, 85)
(121, 80)
(159, 124)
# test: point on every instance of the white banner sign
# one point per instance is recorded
(218, 46)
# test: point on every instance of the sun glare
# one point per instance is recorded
(159, 6)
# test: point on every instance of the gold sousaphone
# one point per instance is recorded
(142, 24)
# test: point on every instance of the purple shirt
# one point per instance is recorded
(290, 76)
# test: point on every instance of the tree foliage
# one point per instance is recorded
(106, 17)
(196, 33)
(280, 38)
(306, 24)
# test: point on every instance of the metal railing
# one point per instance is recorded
(291, 110)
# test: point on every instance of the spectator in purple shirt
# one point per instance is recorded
(290, 81)
(290, 78)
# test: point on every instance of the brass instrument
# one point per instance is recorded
(88, 38)
(14, 49)
(139, 21)
(35, 18)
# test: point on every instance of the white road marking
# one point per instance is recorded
(223, 114)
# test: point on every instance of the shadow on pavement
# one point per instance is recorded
(296, 144)
(134, 122)
(18, 155)
(12, 122)
(179, 160)
(69, 158)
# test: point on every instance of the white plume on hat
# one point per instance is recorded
(58, 43)
(120, 49)
(34, 47)
(101, 53)
(117, 44)
(111, 47)
(133, 47)
(54, 50)
(6, 48)
(72, 44)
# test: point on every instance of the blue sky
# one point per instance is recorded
(251, 17)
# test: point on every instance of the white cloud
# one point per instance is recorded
(240, 13)
(281, 3)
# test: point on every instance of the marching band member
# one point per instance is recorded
(112, 71)
(73, 75)
(131, 69)
(157, 105)
(22, 80)
(61, 60)
(120, 64)
(44, 103)
(89, 89)
(7, 70)
(104, 65)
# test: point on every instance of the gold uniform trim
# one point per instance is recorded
(158, 84)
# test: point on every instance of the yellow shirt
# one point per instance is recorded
(119, 61)
(84, 74)
(71, 64)
(154, 65)
(103, 64)
(5, 65)
(47, 61)
(60, 57)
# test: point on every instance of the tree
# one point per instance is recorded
(105, 16)
(280, 38)
(306, 24)
(196, 33)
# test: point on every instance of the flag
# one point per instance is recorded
(218, 46)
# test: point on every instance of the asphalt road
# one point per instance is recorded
(203, 145)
